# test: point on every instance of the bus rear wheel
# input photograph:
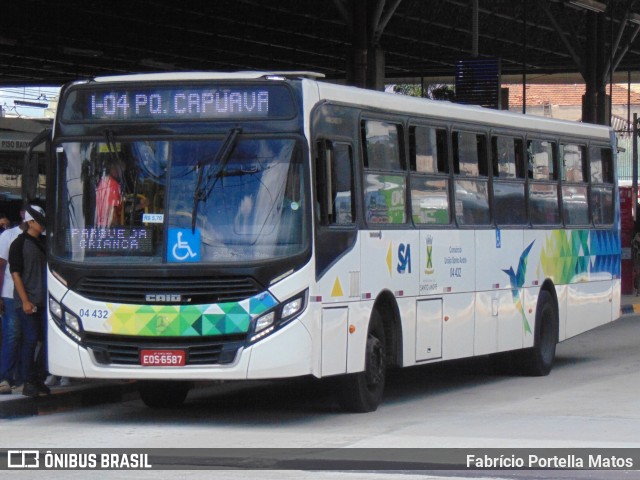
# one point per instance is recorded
(163, 394)
(362, 392)
(537, 361)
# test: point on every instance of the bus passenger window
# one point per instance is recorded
(471, 188)
(430, 200)
(469, 154)
(601, 199)
(601, 162)
(507, 157)
(573, 163)
(384, 195)
(541, 164)
(384, 198)
(575, 204)
(429, 186)
(334, 183)
(382, 147)
(428, 150)
(543, 187)
(508, 181)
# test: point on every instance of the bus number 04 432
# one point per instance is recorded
(93, 313)
(455, 272)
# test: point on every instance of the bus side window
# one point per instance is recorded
(428, 179)
(575, 204)
(385, 178)
(508, 181)
(334, 184)
(601, 200)
(543, 185)
(471, 185)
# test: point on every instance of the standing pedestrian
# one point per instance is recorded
(10, 371)
(28, 263)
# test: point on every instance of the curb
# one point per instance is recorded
(67, 398)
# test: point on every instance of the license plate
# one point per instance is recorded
(162, 358)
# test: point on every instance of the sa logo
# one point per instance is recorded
(404, 258)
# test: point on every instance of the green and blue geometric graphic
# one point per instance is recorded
(570, 256)
(187, 320)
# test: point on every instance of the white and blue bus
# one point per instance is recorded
(209, 226)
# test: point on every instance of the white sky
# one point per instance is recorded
(8, 95)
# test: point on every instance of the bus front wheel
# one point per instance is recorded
(362, 392)
(163, 394)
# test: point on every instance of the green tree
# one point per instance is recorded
(434, 91)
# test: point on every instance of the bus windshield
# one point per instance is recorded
(176, 201)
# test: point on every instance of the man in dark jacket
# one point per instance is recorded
(28, 265)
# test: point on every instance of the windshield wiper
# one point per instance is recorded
(222, 158)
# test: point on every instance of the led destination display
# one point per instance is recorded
(173, 103)
(113, 240)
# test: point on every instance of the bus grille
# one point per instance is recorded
(193, 290)
(123, 350)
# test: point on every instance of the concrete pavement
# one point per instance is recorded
(85, 393)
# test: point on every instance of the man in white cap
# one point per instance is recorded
(28, 265)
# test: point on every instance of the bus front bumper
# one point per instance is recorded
(285, 353)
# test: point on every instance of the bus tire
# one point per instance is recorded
(362, 392)
(538, 360)
(163, 394)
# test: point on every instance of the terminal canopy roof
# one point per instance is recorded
(49, 42)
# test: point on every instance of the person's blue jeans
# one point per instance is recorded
(11, 343)
(33, 357)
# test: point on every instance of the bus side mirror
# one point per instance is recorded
(30, 170)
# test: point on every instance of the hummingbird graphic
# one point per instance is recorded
(517, 281)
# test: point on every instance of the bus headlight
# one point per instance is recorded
(265, 321)
(71, 321)
(291, 308)
(67, 321)
(55, 308)
(272, 320)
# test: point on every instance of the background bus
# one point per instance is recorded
(254, 225)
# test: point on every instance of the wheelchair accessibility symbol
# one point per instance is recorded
(184, 245)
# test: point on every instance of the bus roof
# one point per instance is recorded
(391, 102)
(448, 111)
(177, 76)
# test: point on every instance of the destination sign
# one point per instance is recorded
(113, 240)
(175, 103)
